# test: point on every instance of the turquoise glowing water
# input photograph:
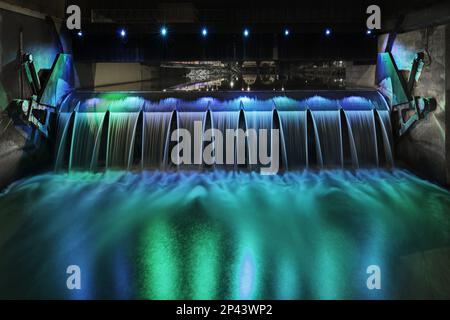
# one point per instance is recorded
(210, 235)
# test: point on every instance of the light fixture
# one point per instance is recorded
(163, 32)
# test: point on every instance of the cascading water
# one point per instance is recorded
(154, 139)
(261, 124)
(121, 136)
(86, 136)
(362, 127)
(63, 128)
(328, 137)
(314, 131)
(171, 233)
(294, 133)
(187, 122)
(223, 121)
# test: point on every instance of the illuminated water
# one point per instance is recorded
(318, 129)
(164, 235)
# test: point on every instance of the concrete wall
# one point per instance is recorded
(54, 8)
(39, 38)
(423, 148)
(359, 76)
(121, 76)
(19, 155)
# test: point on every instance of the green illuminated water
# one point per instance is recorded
(211, 235)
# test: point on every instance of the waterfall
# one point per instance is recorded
(315, 131)
(328, 125)
(187, 122)
(121, 134)
(386, 132)
(61, 138)
(362, 126)
(293, 128)
(223, 121)
(86, 138)
(155, 139)
(258, 120)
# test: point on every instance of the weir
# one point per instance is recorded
(129, 130)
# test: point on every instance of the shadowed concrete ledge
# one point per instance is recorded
(425, 275)
(18, 158)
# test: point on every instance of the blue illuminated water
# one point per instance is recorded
(106, 129)
(217, 234)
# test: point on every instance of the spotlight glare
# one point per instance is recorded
(204, 32)
(246, 33)
(328, 32)
(163, 31)
(286, 32)
(369, 32)
(123, 33)
(80, 33)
